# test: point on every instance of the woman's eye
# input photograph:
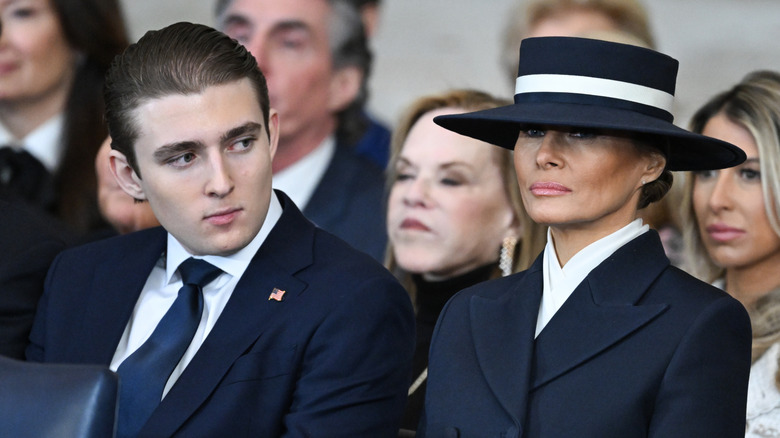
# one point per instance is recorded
(750, 174)
(451, 182)
(531, 132)
(703, 175)
(583, 134)
(403, 176)
(22, 12)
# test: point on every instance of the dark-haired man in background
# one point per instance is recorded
(316, 59)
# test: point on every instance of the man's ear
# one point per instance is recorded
(344, 87)
(125, 176)
(273, 131)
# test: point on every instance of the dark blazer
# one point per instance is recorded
(640, 349)
(374, 145)
(331, 359)
(29, 243)
(349, 202)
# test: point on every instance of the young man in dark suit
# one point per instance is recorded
(238, 317)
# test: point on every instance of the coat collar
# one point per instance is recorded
(601, 311)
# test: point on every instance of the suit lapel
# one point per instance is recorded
(286, 250)
(602, 310)
(511, 319)
(115, 289)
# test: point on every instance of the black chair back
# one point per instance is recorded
(57, 400)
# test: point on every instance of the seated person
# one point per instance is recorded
(30, 241)
(600, 337)
(238, 317)
(454, 217)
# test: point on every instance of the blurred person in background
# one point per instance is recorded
(535, 18)
(455, 217)
(53, 57)
(122, 212)
(315, 56)
(29, 243)
(732, 228)
(370, 11)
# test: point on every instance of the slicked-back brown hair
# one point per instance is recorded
(183, 58)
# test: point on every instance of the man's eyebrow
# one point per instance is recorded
(238, 131)
(290, 25)
(167, 150)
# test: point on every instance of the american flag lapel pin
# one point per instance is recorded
(276, 295)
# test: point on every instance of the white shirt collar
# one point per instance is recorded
(234, 264)
(560, 281)
(300, 179)
(43, 143)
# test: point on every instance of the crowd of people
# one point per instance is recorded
(214, 214)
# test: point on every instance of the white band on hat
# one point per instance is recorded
(553, 83)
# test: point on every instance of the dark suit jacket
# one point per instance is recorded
(640, 349)
(28, 245)
(349, 202)
(374, 145)
(331, 359)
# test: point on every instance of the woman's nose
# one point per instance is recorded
(548, 155)
(417, 193)
(722, 193)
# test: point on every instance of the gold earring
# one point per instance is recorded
(506, 259)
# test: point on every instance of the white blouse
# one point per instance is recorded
(43, 143)
(763, 400)
(560, 281)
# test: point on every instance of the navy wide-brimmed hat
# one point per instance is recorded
(587, 83)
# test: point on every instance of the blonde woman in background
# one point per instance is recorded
(455, 217)
(538, 18)
(732, 228)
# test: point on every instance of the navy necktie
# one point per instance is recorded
(145, 372)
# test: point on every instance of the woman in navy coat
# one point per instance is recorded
(600, 337)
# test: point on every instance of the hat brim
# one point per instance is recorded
(501, 126)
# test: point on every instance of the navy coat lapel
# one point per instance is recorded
(286, 250)
(602, 310)
(117, 284)
(511, 318)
